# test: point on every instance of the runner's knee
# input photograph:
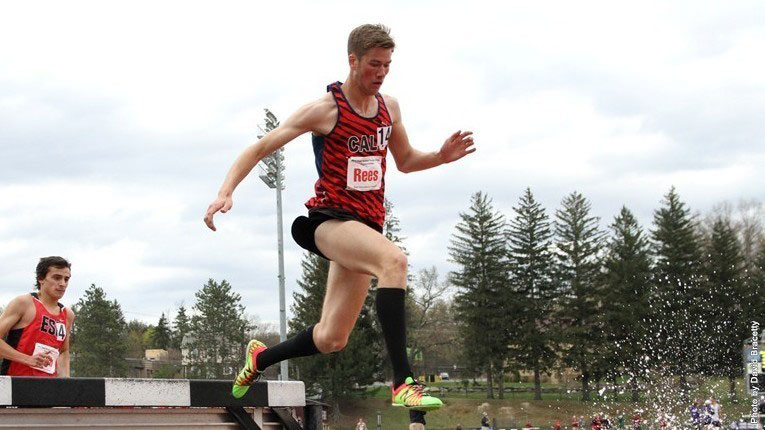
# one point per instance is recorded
(394, 268)
(330, 342)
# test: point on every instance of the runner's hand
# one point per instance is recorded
(41, 359)
(222, 204)
(457, 146)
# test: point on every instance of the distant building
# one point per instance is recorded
(157, 355)
(156, 363)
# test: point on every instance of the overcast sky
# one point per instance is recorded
(119, 120)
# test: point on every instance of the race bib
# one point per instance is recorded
(60, 331)
(364, 173)
(52, 352)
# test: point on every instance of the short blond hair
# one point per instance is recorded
(368, 36)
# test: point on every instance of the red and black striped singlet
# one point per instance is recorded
(350, 161)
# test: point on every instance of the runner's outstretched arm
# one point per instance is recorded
(409, 159)
(302, 121)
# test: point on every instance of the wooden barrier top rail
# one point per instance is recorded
(103, 392)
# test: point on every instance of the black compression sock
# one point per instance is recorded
(391, 313)
(299, 346)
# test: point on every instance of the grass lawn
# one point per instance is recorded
(513, 411)
(460, 410)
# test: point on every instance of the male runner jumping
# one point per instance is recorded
(352, 127)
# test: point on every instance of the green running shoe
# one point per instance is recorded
(413, 395)
(249, 372)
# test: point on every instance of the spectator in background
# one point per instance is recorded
(662, 420)
(636, 421)
(416, 420)
(361, 425)
(707, 419)
(485, 422)
(574, 423)
(605, 423)
(695, 415)
(714, 411)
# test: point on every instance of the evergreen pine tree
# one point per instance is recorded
(626, 280)
(754, 302)
(392, 227)
(99, 343)
(749, 226)
(218, 332)
(678, 301)
(753, 298)
(578, 242)
(478, 249)
(181, 327)
(533, 293)
(306, 308)
(727, 295)
(752, 239)
(161, 334)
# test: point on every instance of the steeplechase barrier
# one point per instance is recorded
(127, 404)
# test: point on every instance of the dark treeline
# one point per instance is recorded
(534, 291)
(542, 291)
(204, 342)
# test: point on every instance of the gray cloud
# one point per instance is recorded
(111, 159)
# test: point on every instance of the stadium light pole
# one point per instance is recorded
(273, 176)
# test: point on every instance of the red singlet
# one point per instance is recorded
(46, 329)
(350, 161)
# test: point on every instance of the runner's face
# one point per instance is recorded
(372, 69)
(55, 282)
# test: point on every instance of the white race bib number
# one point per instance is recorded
(60, 331)
(364, 173)
(52, 352)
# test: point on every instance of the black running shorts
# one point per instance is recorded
(304, 227)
